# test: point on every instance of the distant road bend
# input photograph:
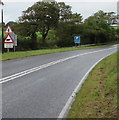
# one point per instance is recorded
(40, 86)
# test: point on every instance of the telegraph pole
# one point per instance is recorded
(2, 33)
(2, 46)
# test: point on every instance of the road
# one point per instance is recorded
(43, 91)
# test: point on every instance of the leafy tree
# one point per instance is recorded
(67, 32)
(66, 14)
(98, 28)
(112, 18)
(76, 18)
(52, 39)
(64, 11)
(100, 15)
(11, 23)
(109, 17)
(41, 17)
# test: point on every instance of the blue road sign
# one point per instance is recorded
(77, 39)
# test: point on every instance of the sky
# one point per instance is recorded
(13, 8)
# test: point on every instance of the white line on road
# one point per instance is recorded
(68, 104)
(20, 74)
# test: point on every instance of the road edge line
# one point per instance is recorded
(71, 99)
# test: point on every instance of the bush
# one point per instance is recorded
(24, 43)
(51, 39)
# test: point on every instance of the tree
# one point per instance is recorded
(40, 17)
(100, 15)
(98, 28)
(76, 18)
(64, 11)
(11, 23)
(112, 17)
(109, 17)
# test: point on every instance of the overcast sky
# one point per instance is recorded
(13, 9)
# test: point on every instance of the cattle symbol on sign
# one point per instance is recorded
(8, 39)
(8, 30)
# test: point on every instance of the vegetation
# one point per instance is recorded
(0, 32)
(98, 96)
(54, 25)
(116, 27)
(16, 55)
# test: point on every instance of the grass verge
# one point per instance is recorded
(98, 95)
(16, 55)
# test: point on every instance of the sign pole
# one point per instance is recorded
(8, 50)
(77, 41)
(2, 33)
(14, 48)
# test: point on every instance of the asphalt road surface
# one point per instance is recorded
(43, 91)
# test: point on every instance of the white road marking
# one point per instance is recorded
(68, 104)
(20, 74)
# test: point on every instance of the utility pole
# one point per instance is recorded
(2, 46)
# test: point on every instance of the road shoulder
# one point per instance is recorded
(98, 96)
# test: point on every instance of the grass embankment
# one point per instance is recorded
(116, 27)
(16, 55)
(98, 95)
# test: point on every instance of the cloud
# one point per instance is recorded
(20, 1)
(12, 10)
(63, 0)
(6, 17)
(89, 0)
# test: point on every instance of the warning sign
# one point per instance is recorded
(8, 39)
(8, 30)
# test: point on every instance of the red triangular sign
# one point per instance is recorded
(8, 30)
(8, 39)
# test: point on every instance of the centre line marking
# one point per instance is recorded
(20, 74)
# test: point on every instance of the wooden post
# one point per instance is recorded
(8, 50)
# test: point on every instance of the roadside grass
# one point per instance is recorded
(116, 27)
(22, 54)
(98, 95)
(0, 32)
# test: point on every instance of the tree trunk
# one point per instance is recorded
(34, 43)
(44, 35)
